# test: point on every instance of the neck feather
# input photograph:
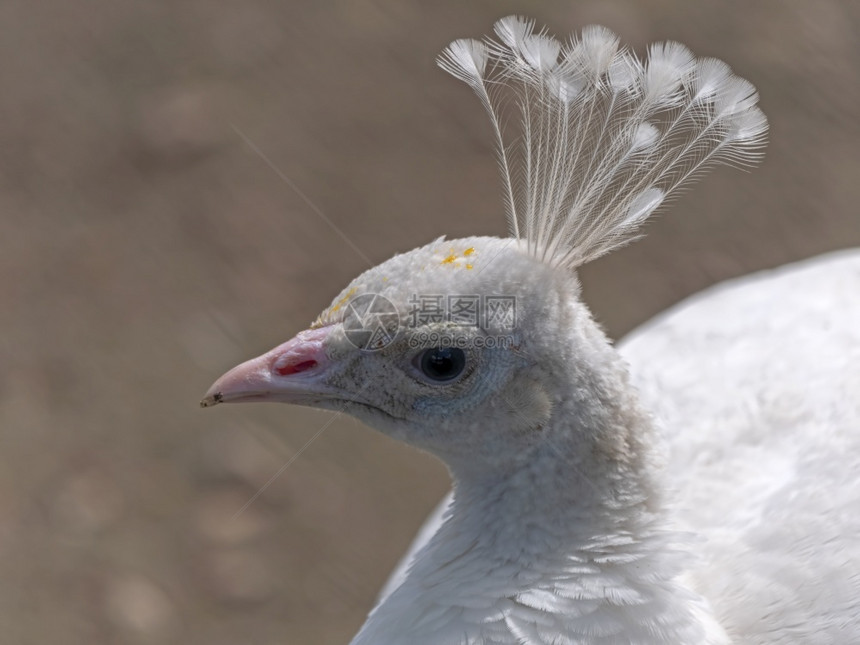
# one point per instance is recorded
(566, 545)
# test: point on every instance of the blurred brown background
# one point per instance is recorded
(145, 247)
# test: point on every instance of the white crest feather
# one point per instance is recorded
(604, 138)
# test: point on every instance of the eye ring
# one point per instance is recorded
(441, 364)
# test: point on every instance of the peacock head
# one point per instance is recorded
(448, 347)
(461, 345)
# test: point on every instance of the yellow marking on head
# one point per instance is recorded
(457, 261)
(340, 303)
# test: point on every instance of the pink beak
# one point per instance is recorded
(289, 373)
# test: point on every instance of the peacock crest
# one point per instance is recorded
(601, 139)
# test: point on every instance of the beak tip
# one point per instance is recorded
(211, 399)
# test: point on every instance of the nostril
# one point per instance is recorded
(304, 353)
(296, 367)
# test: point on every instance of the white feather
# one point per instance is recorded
(604, 138)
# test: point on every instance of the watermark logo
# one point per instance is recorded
(370, 321)
(490, 313)
(431, 339)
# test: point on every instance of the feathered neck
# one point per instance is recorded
(569, 544)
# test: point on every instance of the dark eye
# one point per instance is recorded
(441, 363)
